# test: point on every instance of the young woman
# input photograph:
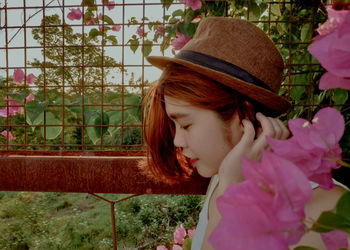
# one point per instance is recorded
(211, 106)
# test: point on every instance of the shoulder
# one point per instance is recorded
(321, 200)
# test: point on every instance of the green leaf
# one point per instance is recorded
(178, 13)
(134, 44)
(166, 17)
(343, 205)
(187, 244)
(20, 96)
(94, 132)
(115, 118)
(77, 103)
(167, 3)
(191, 29)
(51, 132)
(107, 19)
(340, 96)
(275, 9)
(35, 112)
(304, 248)
(88, 3)
(135, 109)
(87, 16)
(305, 33)
(254, 12)
(147, 47)
(113, 39)
(94, 33)
(329, 221)
(181, 28)
(296, 92)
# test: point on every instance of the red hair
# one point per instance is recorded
(164, 161)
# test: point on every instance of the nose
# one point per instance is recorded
(179, 139)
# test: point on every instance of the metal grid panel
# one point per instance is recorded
(91, 87)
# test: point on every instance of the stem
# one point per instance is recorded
(339, 161)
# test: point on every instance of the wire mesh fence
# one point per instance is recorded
(84, 76)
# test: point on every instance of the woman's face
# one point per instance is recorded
(204, 138)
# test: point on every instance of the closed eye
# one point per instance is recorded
(186, 127)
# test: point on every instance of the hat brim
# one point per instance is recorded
(275, 103)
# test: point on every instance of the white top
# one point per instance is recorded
(203, 215)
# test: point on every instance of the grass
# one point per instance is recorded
(34, 220)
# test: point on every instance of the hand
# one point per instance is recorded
(230, 168)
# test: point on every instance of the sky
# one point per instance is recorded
(34, 12)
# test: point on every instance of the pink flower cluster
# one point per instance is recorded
(331, 48)
(8, 135)
(267, 209)
(14, 107)
(76, 14)
(194, 4)
(314, 146)
(180, 41)
(179, 238)
(18, 76)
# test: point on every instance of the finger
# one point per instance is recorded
(285, 130)
(240, 148)
(278, 130)
(267, 130)
(248, 135)
(266, 125)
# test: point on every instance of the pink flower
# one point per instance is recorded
(110, 5)
(330, 81)
(177, 247)
(180, 41)
(99, 17)
(266, 209)
(14, 107)
(140, 32)
(101, 28)
(314, 146)
(31, 78)
(116, 27)
(335, 18)
(8, 135)
(29, 98)
(333, 50)
(191, 233)
(335, 240)
(179, 235)
(194, 4)
(18, 75)
(75, 14)
(161, 247)
(160, 30)
(91, 21)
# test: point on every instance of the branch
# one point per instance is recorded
(27, 21)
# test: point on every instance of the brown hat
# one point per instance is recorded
(237, 54)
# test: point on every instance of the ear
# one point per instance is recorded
(236, 129)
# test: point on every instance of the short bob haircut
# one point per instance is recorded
(164, 161)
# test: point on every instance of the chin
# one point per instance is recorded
(206, 173)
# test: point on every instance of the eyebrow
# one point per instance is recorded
(177, 116)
